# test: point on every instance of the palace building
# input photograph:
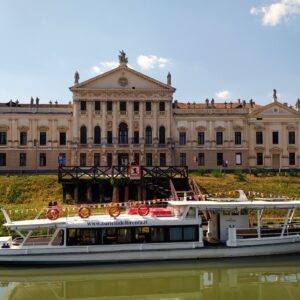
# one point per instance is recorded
(123, 116)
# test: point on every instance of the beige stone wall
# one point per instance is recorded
(191, 119)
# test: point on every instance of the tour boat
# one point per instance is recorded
(177, 230)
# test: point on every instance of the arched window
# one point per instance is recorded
(123, 133)
(162, 135)
(97, 135)
(148, 140)
(83, 135)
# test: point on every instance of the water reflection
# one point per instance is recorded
(277, 278)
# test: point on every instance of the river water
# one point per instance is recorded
(256, 278)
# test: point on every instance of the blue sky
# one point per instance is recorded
(214, 49)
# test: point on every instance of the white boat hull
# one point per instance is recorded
(85, 255)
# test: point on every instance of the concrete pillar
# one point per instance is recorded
(104, 120)
(126, 192)
(139, 192)
(76, 193)
(101, 193)
(115, 197)
(64, 193)
(89, 193)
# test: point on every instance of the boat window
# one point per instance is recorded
(191, 212)
(226, 213)
(59, 239)
(244, 212)
(157, 234)
(109, 235)
(189, 234)
(175, 234)
(124, 235)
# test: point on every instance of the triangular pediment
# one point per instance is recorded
(123, 78)
(275, 109)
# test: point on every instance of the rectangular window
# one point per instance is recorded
(148, 106)
(136, 137)
(259, 159)
(182, 159)
(220, 160)
(275, 137)
(219, 138)
(97, 106)
(23, 159)
(109, 137)
(82, 105)
(82, 160)
(109, 159)
(43, 159)
(43, 138)
(182, 138)
(259, 138)
(292, 158)
(162, 159)
(97, 158)
(122, 106)
(62, 138)
(292, 138)
(2, 159)
(162, 106)
(238, 138)
(136, 106)
(238, 159)
(3, 138)
(23, 138)
(149, 159)
(201, 138)
(157, 234)
(62, 159)
(109, 106)
(201, 159)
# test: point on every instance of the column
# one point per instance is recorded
(104, 121)
(90, 127)
(154, 132)
(142, 130)
(130, 122)
(75, 121)
(76, 193)
(115, 121)
(89, 193)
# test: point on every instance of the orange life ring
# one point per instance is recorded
(114, 211)
(143, 210)
(84, 212)
(52, 214)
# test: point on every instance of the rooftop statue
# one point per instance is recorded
(122, 58)
(76, 77)
(274, 95)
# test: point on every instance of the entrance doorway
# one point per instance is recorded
(123, 159)
(275, 161)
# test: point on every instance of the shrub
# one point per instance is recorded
(200, 172)
(239, 175)
(216, 173)
(14, 194)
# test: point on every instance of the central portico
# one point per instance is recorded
(122, 116)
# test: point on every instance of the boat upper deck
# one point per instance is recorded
(231, 203)
(98, 221)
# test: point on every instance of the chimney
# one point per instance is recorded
(169, 79)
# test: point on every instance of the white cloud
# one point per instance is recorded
(277, 12)
(147, 62)
(223, 95)
(104, 66)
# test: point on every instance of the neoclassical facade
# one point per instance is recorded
(123, 116)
